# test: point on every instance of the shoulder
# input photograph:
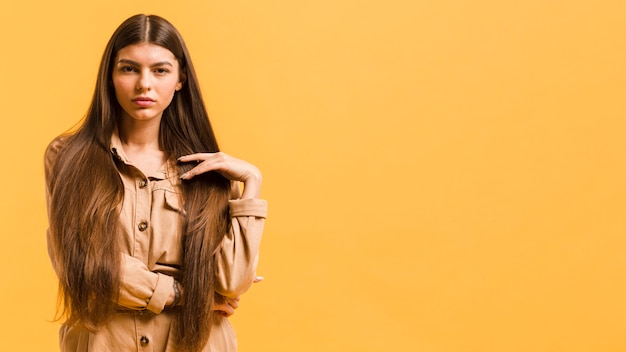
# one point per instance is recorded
(53, 149)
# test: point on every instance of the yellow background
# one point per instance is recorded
(443, 176)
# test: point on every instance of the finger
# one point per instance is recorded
(223, 313)
(190, 174)
(198, 158)
(228, 310)
(206, 162)
(194, 157)
(233, 303)
(258, 279)
(225, 310)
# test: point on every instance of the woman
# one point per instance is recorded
(149, 235)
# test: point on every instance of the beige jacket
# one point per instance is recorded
(150, 224)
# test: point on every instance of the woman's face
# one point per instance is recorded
(145, 77)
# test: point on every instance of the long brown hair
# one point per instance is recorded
(86, 194)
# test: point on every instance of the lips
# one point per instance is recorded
(143, 101)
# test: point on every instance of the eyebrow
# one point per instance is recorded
(135, 63)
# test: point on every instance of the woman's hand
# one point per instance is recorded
(225, 306)
(232, 168)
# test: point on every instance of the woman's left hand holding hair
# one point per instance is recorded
(232, 168)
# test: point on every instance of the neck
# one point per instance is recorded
(139, 134)
(140, 140)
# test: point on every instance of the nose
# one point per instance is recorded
(144, 82)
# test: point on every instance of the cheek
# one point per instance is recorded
(121, 86)
(169, 89)
(119, 93)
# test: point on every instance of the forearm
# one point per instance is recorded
(141, 288)
(238, 257)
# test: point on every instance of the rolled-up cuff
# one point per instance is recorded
(162, 292)
(248, 207)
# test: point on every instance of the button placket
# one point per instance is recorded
(142, 214)
(143, 225)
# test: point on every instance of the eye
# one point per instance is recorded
(127, 69)
(161, 71)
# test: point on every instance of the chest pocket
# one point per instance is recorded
(172, 201)
(168, 217)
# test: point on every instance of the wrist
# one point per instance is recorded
(252, 186)
(176, 294)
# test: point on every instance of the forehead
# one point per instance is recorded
(146, 53)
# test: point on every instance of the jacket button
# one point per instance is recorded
(144, 340)
(142, 226)
(143, 183)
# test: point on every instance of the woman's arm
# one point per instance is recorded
(141, 288)
(238, 257)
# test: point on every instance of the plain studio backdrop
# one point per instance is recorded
(442, 176)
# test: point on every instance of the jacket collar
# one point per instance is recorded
(117, 150)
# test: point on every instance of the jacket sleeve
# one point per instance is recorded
(237, 260)
(141, 288)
